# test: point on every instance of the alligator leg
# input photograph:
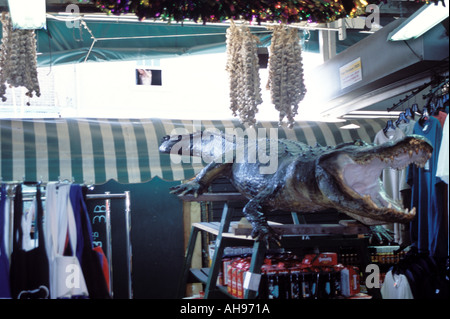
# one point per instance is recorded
(378, 235)
(254, 213)
(203, 179)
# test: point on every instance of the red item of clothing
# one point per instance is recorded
(441, 116)
(104, 262)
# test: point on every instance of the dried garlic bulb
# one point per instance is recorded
(18, 62)
(286, 83)
(243, 69)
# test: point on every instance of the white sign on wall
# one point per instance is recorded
(350, 73)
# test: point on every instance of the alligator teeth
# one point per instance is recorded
(413, 211)
(410, 152)
(406, 211)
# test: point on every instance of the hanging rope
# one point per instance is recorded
(286, 83)
(18, 62)
(243, 69)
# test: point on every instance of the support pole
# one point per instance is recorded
(109, 242)
(129, 252)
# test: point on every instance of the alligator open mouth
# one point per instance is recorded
(360, 177)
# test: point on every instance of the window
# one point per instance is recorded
(148, 77)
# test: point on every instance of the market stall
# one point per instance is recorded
(121, 155)
(340, 177)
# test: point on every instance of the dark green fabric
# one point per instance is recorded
(59, 44)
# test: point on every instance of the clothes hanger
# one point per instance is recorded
(389, 126)
(405, 115)
(425, 116)
(415, 109)
(439, 106)
(409, 113)
(402, 117)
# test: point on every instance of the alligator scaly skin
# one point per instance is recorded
(307, 179)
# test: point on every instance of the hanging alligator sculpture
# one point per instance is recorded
(307, 179)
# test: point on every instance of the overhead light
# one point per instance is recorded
(421, 21)
(350, 127)
(371, 114)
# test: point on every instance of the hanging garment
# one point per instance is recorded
(50, 206)
(396, 286)
(393, 180)
(104, 264)
(56, 197)
(407, 128)
(29, 272)
(428, 229)
(5, 289)
(441, 116)
(28, 216)
(425, 277)
(7, 222)
(443, 159)
(90, 261)
(77, 212)
(66, 276)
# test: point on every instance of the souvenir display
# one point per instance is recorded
(18, 64)
(224, 149)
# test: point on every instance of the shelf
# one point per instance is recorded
(202, 276)
(214, 228)
(285, 230)
(227, 231)
(310, 229)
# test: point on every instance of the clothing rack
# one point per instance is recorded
(29, 196)
(436, 83)
(107, 197)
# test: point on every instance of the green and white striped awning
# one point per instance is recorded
(94, 151)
